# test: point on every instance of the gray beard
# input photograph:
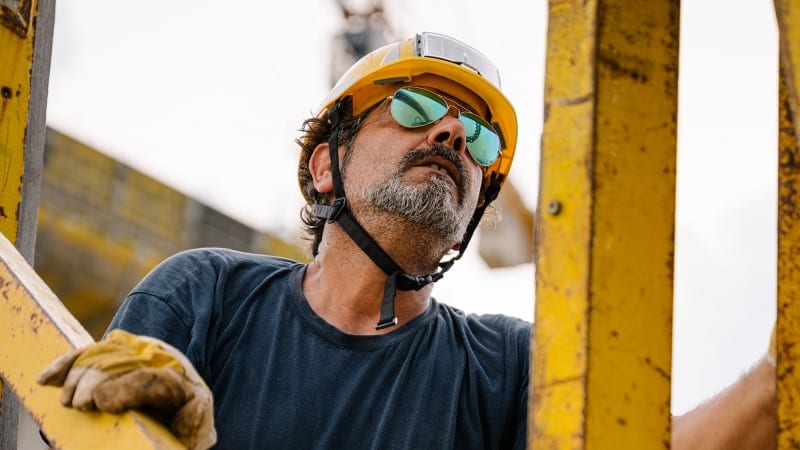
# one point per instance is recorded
(428, 204)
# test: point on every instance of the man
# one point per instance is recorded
(349, 351)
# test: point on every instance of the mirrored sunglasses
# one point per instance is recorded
(414, 107)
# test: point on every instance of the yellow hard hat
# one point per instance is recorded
(445, 64)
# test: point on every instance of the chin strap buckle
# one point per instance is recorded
(336, 208)
(408, 282)
(386, 323)
(330, 212)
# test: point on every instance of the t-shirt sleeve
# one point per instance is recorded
(149, 315)
(194, 299)
(175, 302)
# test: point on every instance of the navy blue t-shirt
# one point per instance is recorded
(282, 377)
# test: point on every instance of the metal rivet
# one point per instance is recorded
(554, 207)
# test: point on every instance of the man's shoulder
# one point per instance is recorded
(498, 344)
(503, 321)
(514, 328)
(209, 265)
(489, 326)
(226, 257)
(221, 259)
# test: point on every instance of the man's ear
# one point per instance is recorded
(319, 164)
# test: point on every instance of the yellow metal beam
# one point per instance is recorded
(36, 326)
(25, 37)
(36, 329)
(788, 322)
(605, 227)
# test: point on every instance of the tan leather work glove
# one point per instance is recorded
(125, 371)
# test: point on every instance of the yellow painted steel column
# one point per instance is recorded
(788, 322)
(25, 39)
(605, 227)
(16, 62)
(35, 325)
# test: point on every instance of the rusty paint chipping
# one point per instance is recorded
(16, 15)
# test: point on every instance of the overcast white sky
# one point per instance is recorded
(207, 97)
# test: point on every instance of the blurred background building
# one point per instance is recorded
(103, 225)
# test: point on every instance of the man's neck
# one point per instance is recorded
(344, 287)
(416, 248)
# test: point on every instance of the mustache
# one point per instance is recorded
(441, 151)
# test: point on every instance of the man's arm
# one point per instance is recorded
(743, 416)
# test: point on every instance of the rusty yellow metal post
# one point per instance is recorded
(26, 29)
(788, 322)
(35, 325)
(605, 227)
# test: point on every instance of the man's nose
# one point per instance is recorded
(449, 131)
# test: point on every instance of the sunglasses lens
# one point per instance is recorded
(482, 142)
(412, 107)
(415, 107)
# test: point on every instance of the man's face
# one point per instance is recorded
(424, 175)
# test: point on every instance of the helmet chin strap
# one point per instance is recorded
(338, 212)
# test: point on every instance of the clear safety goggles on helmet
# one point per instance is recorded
(414, 107)
(434, 45)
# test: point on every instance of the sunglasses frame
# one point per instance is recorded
(438, 98)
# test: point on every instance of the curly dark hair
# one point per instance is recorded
(315, 131)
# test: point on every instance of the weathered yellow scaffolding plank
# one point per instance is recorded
(605, 226)
(36, 329)
(25, 37)
(788, 322)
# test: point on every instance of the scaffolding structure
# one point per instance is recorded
(604, 238)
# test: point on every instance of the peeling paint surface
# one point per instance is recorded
(602, 342)
(16, 15)
(788, 319)
(36, 326)
(16, 60)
